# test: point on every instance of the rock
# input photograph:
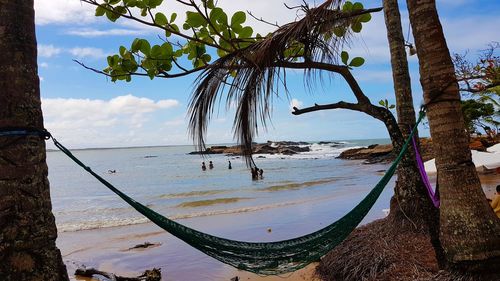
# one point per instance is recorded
(373, 154)
(287, 143)
(284, 147)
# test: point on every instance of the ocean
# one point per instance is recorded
(170, 181)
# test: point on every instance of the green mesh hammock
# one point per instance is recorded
(269, 258)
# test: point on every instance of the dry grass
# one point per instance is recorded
(379, 252)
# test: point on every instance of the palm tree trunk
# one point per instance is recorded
(469, 230)
(410, 200)
(409, 195)
(27, 227)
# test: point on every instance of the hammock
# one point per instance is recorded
(269, 258)
(434, 196)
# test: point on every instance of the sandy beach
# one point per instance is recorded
(110, 249)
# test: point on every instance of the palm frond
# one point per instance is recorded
(251, 76)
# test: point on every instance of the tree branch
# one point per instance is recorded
(340, 69)
(161, 75)
(263, 20)
(338, 105)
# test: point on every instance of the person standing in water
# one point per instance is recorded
(203, 167)
(229, 167)
(255, 173)
(210, 165)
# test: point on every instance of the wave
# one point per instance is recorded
(191, 194)
(296, 186)
(210, 202)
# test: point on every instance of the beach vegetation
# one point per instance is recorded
(479, 83)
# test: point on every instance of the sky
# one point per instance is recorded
(83, 109)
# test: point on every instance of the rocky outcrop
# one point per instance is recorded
(282, 147)
(383, 153)
(372, 154)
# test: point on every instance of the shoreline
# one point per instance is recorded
(108, 249)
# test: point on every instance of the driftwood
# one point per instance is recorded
(145, 245)
(148, 275)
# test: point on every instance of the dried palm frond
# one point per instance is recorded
(251, 76)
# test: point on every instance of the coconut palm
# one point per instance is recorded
(27, 228)
(469, 230)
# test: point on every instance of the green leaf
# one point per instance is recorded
(245, 32)
(357, 62)
(178, 53)
(206, 58)
(347, 6)
(221, 53)
(121, 10)
(344, 57)
(100, 11)
(145, 47)
(113, 2)
(136, 45)
(365, 18)
(195, 19)
(339, 31)
(130, 3)
(155, 52)
(357, 6)
(238, 18)
(174, 27)
(356, 27)
(167, 49)
(381, 102)
(155, 3)
(161, 19)
(209, 3)
(392, 106)
(123, 51)
(173, 16)
(112, 16)
(218, 15)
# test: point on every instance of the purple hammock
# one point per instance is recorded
(421, 168)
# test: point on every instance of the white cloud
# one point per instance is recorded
(77, 12)
(89, 32)
(74, 119)
(63, 11)
(48, 51)
(296, 103)
(87, 52)
(470, 33)
(44, 65)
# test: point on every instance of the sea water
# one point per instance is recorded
(170, 181)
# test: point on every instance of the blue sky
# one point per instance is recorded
(85, 109)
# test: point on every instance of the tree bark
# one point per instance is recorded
(469, 230)
(410, 200)
(27, 227)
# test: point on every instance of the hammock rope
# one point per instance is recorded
(433, 195)
(267, 258)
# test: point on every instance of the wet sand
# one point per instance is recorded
(108, 249)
